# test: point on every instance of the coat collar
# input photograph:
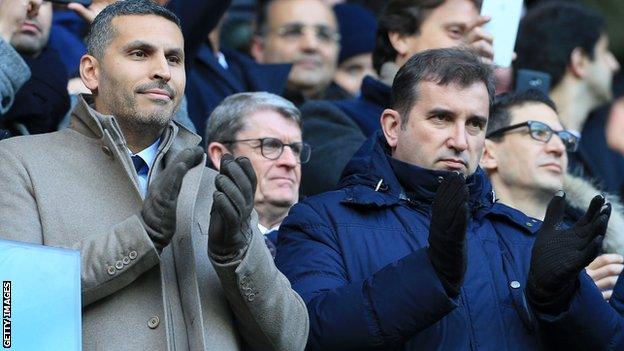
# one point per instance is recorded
(89, 122)
(370, 179)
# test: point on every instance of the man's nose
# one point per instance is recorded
(33, 8)
(160, 68)
(555, 145)
(615, 65)
(309, 40)
(458, 140)
(287, 158)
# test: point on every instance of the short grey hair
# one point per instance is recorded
(228, 119)
(102, 32)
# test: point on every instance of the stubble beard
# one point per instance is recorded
(126, 112)
(28, 45)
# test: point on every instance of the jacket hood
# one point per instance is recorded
(370, 167)
(579, 193)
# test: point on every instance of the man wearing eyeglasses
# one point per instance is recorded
(266, 129)
(304, 33)
(526, 180)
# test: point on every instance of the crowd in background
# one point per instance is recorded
(329, 213)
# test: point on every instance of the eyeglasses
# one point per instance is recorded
(541, 132)
(272, 148)
(294, 31)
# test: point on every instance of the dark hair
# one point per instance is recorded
(440, 66)
(102, 32)
(262, 9)
(500, 116)
(549, 33)
(403, 17)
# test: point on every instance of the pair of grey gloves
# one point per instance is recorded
(233, 202)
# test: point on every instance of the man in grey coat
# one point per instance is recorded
(163, 266)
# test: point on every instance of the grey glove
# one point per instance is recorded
(233, 202)
(159, 207)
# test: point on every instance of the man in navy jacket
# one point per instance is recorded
(413, 252)
(404, 28)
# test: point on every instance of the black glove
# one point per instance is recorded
(447, 232)
(159, 207)
(233, 202)
(560, 254)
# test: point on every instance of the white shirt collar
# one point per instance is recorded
(265, 230)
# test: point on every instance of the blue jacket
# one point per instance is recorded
(208, 83)
(358, 258)
(66, 36)
(366, 109)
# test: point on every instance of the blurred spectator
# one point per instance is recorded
(615, 126)
(214, 72)
(67, 37)
(43, 101)
(158, 232)
(304, 33)
(70, 25)
(613, 12)
(238, 26)
(528, 180)
(357, 40)
(266, 129)
(568, 41)
(13, 70)
(407, 27)
(404, 28)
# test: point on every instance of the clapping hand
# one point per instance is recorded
(560, 253)
(447, 232)
(233, 202)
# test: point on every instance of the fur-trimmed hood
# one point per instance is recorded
(579, 193)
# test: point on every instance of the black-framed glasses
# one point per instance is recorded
(541, 132)
(272, 148)
(296, 30)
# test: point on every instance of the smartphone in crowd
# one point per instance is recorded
(85, 3)
(505, 18)
(529, 79)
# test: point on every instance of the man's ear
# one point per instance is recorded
(489, 161)
(256, 49)
(391, 124)
(399, 42)
(578, 63)
(90, 72)
(215, 151)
